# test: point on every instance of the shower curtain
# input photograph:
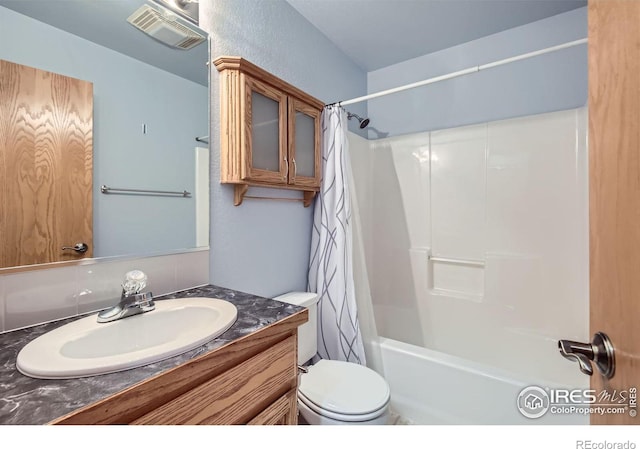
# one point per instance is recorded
(330, 267)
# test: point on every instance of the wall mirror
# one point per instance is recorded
(141, 105)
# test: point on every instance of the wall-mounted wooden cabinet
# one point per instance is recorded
(270, 131)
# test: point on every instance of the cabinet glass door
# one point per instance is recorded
(304, 144)
(265, 146)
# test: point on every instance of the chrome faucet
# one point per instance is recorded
(132, 300)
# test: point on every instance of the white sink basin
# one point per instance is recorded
(87, 348)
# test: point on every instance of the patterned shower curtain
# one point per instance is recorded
(330, 267)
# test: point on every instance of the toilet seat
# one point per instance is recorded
(341, 417)
(344, 391)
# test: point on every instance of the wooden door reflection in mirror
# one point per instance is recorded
(46, 161)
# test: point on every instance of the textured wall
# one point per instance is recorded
(263, 246)
(127, 93)
(546, 83)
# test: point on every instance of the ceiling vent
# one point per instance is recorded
(166, 27)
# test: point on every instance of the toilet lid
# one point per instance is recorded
(344, 388)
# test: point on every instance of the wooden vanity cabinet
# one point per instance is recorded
(270, 131)
(284, 411)
(252, 380)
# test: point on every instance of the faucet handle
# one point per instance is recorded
(578, 352)
(134, 282)
(600, 351)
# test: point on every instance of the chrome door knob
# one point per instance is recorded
(78, 247)
(600, 351)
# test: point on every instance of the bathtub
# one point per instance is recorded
(429, 387)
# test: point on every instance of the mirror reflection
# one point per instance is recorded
(91, 100)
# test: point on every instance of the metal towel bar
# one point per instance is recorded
(105, 189)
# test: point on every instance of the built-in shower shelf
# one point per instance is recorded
(478, 298)
(454, 277)
(472, 262)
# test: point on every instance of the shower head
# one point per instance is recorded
(364, 122)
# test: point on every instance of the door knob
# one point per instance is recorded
(599, 351)
(78, 247)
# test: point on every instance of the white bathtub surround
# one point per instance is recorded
(359, 151)
(430, 387)
(507, 203)
(330, 266)
(33, 297)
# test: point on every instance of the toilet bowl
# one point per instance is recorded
(336, 392)
(333, 391)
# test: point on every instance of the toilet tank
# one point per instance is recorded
(308, 332)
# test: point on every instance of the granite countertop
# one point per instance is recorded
(24, 400)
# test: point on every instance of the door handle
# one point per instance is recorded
(78, 247)
(600, 351)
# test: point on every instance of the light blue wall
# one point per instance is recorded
(127, 93)
(263, 246)
(545, 83)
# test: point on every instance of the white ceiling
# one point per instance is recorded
(378, 33)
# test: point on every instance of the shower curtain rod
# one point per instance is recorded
(473, 69)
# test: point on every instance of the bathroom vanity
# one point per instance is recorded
(248, 375)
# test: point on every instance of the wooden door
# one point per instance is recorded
(614, 159)
(46, 163)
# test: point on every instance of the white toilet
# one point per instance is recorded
(335, 392)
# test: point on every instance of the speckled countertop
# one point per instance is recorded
(24, 400)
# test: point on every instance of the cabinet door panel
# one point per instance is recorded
(304, 144)
(237, 395)
(265, 133)
(284, 411)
